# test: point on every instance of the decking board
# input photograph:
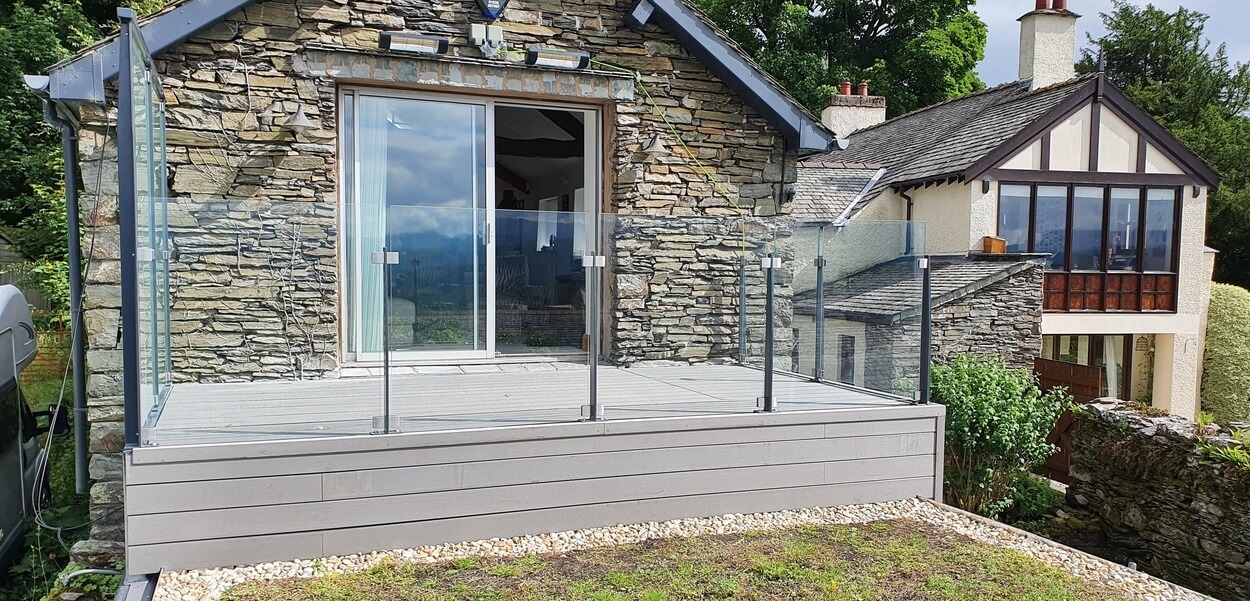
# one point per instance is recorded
(192, 506)
(263, 411)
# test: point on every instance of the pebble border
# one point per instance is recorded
(208, 585)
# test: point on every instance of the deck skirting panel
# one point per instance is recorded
(306, 499)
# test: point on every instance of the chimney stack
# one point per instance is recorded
(846, 112)
(1048, 44)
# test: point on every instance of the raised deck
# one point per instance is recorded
(679, 442)
(480, 396)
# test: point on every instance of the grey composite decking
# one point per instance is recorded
(236, 503)
(481, 396)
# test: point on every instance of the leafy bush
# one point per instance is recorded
(1226, 367)
(1033, 498)
(997, 419)
(51, 279)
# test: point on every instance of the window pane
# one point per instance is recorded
(1160, 214)
(1122, 237)
(1087, 229)
(1013, 217)
(1113, 365)
(1050, 229)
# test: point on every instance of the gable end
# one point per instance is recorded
(1153, 142)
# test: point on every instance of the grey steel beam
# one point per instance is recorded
(127, 224)
(82, 79)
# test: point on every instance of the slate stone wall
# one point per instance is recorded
(1158, 500)
(255, 228)
(1003, 319)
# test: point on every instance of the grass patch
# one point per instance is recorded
(899, 559)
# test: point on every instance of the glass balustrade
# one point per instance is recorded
(293, 320)
(850, 314)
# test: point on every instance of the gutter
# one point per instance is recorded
(903, 193)
(78, 353)
(846, 213)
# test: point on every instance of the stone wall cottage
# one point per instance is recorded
(1064, 168)
(272, 108)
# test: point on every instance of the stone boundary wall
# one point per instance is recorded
(1159, 501)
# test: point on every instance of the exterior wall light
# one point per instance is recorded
(560, 59)
(298, 122)
(414, 43)
(655, 146)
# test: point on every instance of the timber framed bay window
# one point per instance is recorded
(1112, 248)
(464, 223)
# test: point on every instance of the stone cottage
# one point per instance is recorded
(357, 191)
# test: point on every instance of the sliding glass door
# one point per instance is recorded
(457, 209)
(418, 229)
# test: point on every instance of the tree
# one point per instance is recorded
(32, 37)
(914, 52)
(1165, 64)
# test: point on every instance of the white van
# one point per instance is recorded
(21, 453)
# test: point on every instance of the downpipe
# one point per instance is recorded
(78, 353)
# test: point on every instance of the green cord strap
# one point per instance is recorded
(655, 108)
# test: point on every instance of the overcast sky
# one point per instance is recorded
(1229, 19)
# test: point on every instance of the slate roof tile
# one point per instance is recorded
(890, 292)
(945, 139)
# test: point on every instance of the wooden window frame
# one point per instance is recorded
(1117, 291)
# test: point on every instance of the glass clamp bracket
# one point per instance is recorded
(381, 427)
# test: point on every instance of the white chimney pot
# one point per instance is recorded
(1048, 46)
(846, 114)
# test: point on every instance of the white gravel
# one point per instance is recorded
(195, 585)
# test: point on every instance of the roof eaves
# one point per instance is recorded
(699, 36)
(81, 79)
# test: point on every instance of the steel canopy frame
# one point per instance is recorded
(127, 193)
(81, 79)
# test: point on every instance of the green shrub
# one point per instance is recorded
(1032, 498)
(1226, 367)
(997, 419)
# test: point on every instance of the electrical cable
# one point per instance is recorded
(75, 333)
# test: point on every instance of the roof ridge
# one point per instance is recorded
(840, 165)
(973, 94)
(982, 92)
